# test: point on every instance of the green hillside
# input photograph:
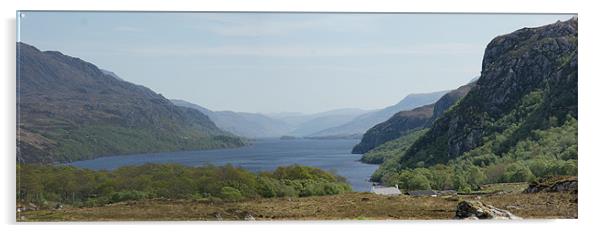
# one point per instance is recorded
(68, 109)
(519, 122)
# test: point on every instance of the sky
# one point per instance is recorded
(279, 62)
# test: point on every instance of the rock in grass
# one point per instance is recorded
(553, 184)
(249, 217)
(478, 210)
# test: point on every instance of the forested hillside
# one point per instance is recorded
(519, 122)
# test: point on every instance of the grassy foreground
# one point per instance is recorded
(347, 206)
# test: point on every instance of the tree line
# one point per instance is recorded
(550, 152)
(49, 185)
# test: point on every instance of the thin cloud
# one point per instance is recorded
(228, 25)
(128, 29)
(311, 51)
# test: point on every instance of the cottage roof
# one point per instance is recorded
(385, 190)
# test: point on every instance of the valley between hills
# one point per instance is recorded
(507, 139)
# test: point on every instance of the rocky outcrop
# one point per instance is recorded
(447, 101)
(553, 184)
(478, 210)
(540, 63)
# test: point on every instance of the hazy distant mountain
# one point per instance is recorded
(256, 125)
(362, 123)
(69, 110)
(280, 115)
(310, 124)
(251, 125)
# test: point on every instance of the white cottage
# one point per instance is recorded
(387, 191)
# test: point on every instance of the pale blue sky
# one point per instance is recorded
(277, 62)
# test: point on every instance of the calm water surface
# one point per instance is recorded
(262, 155)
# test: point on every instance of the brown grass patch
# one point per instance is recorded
(336, 207)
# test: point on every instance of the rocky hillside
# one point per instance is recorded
(68, 109)
(528, 82)
(405, 122)
(398, 125)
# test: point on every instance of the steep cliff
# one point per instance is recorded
(528, 82)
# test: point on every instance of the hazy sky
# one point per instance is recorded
(271, 62)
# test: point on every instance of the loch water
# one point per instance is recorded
(262, 155)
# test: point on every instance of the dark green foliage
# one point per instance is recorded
(547, 153)
(298, 172)
(391, 149)
(131, 195)
(231, 194)
(398, 125)
(42, 184)
(517, 172)
(269, 187)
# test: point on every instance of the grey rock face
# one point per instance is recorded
(514, 65)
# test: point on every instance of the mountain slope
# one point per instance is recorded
(398, 125)
(69, 109)
(362, 123)
(405, 122)
(250, 125)
(528, 83)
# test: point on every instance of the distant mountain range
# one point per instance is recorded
(308, 124)
(338, 123)
(250, 125)
(255, 125)
(68, 109)
(362, 123)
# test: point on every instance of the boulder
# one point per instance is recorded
(553, 184)
(218, 216)
(249, 217)
(478, 210)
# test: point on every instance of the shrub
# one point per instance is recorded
(131, 195)
(230, 194)
(518, 172)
